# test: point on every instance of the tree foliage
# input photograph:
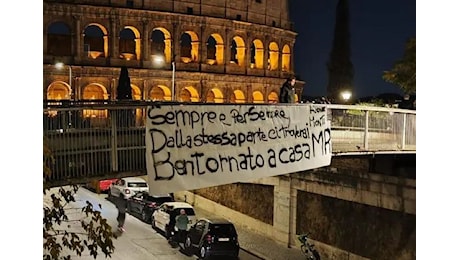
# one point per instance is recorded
(403, 72)
(68, 230)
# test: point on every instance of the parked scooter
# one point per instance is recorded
(307, 248)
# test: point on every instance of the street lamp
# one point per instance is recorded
(159, 60)
(59, 66)
(346, 95)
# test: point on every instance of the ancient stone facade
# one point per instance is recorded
(219, 51)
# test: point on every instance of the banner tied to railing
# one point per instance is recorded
(196, 146)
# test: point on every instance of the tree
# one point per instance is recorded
(403, 72)
(125, 117)
(339, 66)
(62, 234)
(124, 85)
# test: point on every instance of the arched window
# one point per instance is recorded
(215, 96)
(273, 97)
(211, 49)
(158, 43)
(161, 44)
(257, 97)
(257, 54)
(160, 93)
(237, 97)
(189, 94)
(58, 90)
(59, 40)
(189, 47)
(286, 59)
(95, 92)
(237, 51)
(129, 44)
(96, 40)
(233, 57)
(273, 56)
(186, 47)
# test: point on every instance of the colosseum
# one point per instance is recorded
(215, 51)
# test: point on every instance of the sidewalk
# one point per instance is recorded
(259, 245)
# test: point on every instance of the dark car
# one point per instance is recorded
(212, 237)
(143, 204)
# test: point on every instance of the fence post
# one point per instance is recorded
(113, 139)
(403, 139)
(366, 131)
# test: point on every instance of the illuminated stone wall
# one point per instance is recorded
(223, 51)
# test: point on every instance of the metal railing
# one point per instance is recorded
(101, 139)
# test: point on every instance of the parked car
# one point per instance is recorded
(212, 237)
(143, 204)
(102, 185)
(127, 187)
(169, 210)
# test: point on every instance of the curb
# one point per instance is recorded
(256, 254)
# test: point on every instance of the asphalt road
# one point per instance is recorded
(139, 241)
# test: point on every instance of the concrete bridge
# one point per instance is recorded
(362, 206)
(94, 140)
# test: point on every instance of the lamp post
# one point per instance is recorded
(173, 86)
(159, 60)
(60, 66)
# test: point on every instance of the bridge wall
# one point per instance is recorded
(351, 212)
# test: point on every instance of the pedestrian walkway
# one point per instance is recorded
(258, 245)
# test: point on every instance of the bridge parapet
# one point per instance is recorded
(106, 139)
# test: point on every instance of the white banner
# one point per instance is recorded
(196, 146)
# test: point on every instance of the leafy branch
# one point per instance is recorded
(403, 72)
(62, 235)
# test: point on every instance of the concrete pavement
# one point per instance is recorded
(258, 245)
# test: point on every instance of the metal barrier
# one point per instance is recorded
(102, 138)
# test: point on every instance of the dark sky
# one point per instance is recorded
(379, 30)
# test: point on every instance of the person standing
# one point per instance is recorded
(172, 223)
(182, 224)
(122, 205)
(287, 91)
(406, 103)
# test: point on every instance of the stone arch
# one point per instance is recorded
(130, 43)
(189, 46)
(58, 90)
(237, 97)
(273, 56)
(95, 91)
(286, 58)
(160, 92)
(257, 54)
(189, 94)
(59, 39)
(137, 95)
(273, 97)
(215, 49)
(96, 37)
(161, 43)
(237, 51)
(257, 97)
(215, 96)
(136, 92)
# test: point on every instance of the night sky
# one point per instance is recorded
(379, 30)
